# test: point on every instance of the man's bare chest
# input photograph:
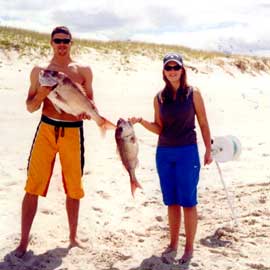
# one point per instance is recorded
(73, 72)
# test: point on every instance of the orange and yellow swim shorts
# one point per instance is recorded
(52, 137)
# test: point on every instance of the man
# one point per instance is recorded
(56, 132)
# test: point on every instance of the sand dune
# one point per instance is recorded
(119, 232)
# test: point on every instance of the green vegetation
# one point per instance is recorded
(23, 41)
(27, 42)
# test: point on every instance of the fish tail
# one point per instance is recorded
(105, 126)
(102, 131)
(108, 124)
(134, 183)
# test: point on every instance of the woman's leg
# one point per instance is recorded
(174, 217)
(191, 221)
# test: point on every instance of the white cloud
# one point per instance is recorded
(229, 25)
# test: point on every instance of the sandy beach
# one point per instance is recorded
(119, 232)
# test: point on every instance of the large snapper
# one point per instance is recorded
(128, 149)
(70, 97)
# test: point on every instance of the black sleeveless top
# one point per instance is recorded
(178, 119)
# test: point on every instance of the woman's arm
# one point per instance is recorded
(155, 126)
(203, 123)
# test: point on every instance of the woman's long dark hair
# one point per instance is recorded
(182, 91)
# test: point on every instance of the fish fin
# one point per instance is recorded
(80, 88)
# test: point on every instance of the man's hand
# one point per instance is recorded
(83, 116)
(43, 92)
(36, 97)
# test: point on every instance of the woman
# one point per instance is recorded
(177, 156)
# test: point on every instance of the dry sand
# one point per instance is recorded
(119, 232)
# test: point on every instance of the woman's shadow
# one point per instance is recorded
(161, 262)
(49, 260)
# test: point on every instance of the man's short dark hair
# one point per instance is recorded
(60, 29)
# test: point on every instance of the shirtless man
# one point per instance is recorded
(56, 132)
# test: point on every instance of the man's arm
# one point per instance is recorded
(87, 84)
(36, 93)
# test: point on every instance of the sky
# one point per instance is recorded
(231, 26)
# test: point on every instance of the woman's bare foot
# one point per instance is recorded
(169, 250)
(187, 256)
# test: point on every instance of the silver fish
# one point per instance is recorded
(128, 149)
(69, 97)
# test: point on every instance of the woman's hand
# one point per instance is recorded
(208, 157)
(134, 120)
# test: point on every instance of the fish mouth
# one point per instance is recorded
(120, 121)
(118, 132)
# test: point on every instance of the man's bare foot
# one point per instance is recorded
(20, 251)
(75, 243)
(187, 256)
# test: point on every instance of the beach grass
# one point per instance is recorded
(27, 42)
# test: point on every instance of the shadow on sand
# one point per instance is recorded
(218, 239)
(161, 263)
(49, 260)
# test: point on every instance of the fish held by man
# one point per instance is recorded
(69, 97)
(128, 149)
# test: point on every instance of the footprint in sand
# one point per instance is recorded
(257, 213)
(222, 252)
(151, 202)
(47, 211)
(250, 221)
(97, 209)
(258, 266)
(11, 183)
(263, 199)
(103, 194)
(129, 208)
(201, 216)
(159, 218)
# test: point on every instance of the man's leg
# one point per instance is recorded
(72, 206)
(29, 208)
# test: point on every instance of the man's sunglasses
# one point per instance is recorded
(176, 67)
(61, 40)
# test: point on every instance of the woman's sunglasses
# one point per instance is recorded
(61, 40)
(176, 67)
